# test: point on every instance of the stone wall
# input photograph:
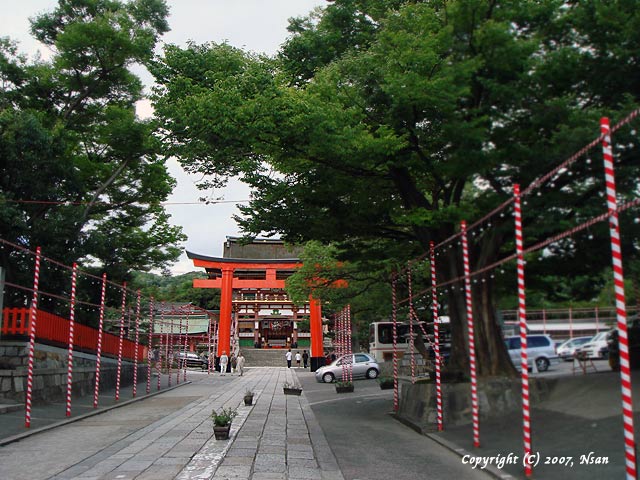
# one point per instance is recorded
(496, 396)
(50, 373)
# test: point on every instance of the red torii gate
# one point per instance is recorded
(226, 283)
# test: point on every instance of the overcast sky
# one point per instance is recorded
(256, 25)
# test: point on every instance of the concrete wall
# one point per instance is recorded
(50, 373)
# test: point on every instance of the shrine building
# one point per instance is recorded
(253, 300)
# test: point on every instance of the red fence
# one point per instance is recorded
(52, 328)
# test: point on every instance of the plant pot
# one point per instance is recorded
(292, 391)
(344, 388)
(248, 400)
(221, 433)
(386, 385)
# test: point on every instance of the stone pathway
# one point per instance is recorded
(276, 438)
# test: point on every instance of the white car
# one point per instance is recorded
(363, 364)
(567, 348)
(597, 347)
(540, 348)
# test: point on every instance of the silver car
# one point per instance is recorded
(363, 364)
(540, 348)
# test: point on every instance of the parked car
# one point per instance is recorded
(193, 360)
(597, 347)
(363, 364)
(567, 348)
(540, 349)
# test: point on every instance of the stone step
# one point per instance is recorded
(256, 357)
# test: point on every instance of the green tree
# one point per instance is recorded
(382, 124)
(81, 172)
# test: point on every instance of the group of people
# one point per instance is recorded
(225, 364)
(304, 357)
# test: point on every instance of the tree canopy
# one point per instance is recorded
(82, 175)
(380, 125)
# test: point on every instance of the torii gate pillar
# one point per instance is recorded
(226, 297)
(317, 343)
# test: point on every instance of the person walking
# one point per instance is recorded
(305, 358)
(298, 358)
(224, 360)
(240, 363)
(288, 357)
(234, 363)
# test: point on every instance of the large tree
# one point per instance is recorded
(382, 124)
(81, 172)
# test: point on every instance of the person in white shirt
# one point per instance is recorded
(298, 358)
(224, 360)
(288, 357)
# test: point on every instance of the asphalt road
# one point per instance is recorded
(370, 444)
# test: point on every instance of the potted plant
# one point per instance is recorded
(222, 422)
(292, 388)
(386, 383)
(248, 397)
(344, 387)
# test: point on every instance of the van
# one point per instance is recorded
(540, 349)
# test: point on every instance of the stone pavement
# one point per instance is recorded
(170, 435)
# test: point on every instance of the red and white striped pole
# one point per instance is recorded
(72, 317)
(150, 348)
(121, 340)
(96, 389)
(32, 339)
(162, 348)
(394, 318)
(137, 344)
(186, 345)
(170, 349)
(411, 340)
(436, 333)
(209, 362)
(472, 340)
(522, 320)
(181, 359)
(349, 343)
(621, 310)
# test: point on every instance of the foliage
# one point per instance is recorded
(222, 418)
(248, 393)
(292, 385)
(82, 176)
(382, 124)
(178, 289)
(344, 384)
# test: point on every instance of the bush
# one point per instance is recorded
(223, 417)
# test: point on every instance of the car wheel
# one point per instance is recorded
(328, 377)
(542, 364)
(372, 373)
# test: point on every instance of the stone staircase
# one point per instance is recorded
(255, 357)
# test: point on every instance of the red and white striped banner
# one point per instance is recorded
(72, 317)
(436, 333)
(522, 318)
(349, 343)
(96, 389)
(121, 339)
(32, 339)
(621, 310)
(472, 347)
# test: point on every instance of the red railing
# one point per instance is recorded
(53, 328)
